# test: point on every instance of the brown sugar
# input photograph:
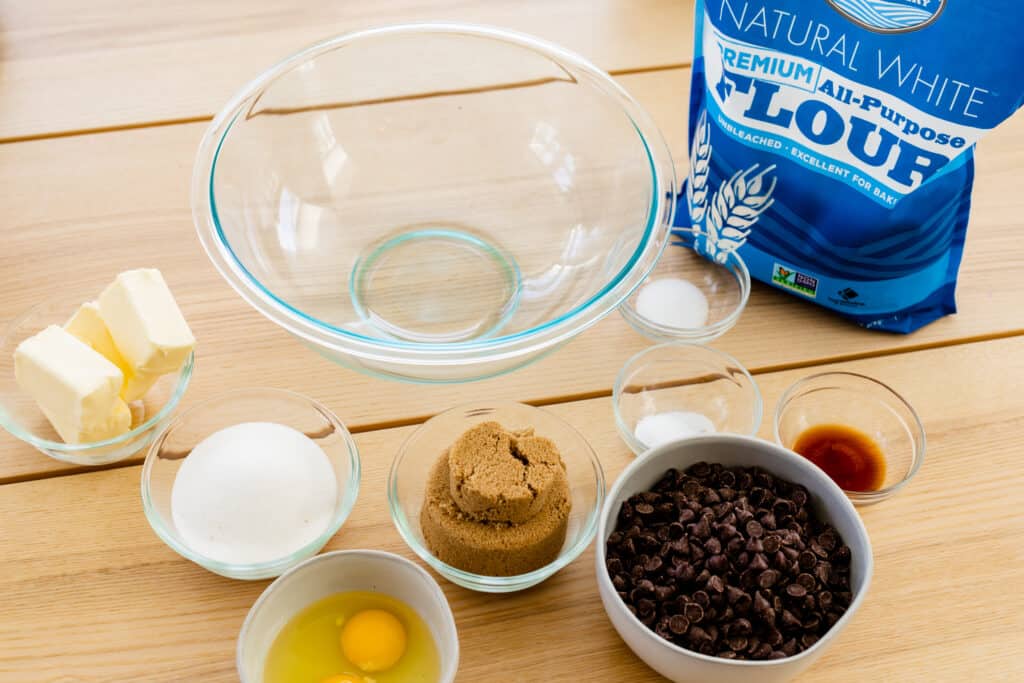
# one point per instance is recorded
(482, 544)
(502, 476)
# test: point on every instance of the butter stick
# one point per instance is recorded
(74, 385)
(145, 322)
(87, 324)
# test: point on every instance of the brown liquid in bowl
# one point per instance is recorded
(851, 457)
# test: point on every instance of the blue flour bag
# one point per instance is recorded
(832, 143)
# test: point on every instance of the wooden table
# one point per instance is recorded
(101, 108)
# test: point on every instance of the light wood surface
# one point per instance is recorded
(124, 200)
(97, 597)
(102, 106)
(72, 67)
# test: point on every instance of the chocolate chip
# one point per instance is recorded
(693, 612)
(737, 643)
(795, 590)
(806, 580)
(827, 539)
(718, 563)
(789, 620)
(678, 624)
(768, 578)
(771, 543)
(759, 563)
(754, 529)
(715, 584)
(807, 559)
(663, 593)
(653, 565)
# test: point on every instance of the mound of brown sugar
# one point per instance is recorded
(502, 476)
(519, 511)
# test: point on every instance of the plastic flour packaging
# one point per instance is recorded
(832, 143)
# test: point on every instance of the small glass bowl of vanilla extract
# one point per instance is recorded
(862, 433)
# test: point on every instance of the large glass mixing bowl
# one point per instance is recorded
(433, 202)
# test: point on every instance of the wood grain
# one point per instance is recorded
(89, 594)
(81, 209)
(68, 67)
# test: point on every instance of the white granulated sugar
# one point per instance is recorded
(672, 302)
(655, 430)
(254, 492)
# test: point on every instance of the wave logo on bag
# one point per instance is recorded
(890, 16)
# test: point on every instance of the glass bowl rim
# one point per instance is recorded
(481, 581)
(654, 330)
(915, 425)
(184, 376)
(255, 570)
(613, 293)
(633, 362)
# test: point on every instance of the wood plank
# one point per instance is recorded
(106, 207)
(69, 67)
(90, 594)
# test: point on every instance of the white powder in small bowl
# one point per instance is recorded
(252, 493)
(672, 302)
(655, 430)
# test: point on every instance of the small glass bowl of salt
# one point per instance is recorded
(674, 391)
(251, 483)
(689, 298)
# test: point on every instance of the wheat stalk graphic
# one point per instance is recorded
(736, 206)
(700, 164)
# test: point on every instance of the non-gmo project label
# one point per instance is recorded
(792, 279)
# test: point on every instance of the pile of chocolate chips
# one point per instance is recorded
(729, 561)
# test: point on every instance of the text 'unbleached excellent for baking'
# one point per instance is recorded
(832, 144)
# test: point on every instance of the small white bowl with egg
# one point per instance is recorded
(251, 483)
(343, 571)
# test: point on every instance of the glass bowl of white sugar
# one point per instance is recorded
(251, 483)
(678, 390)
(689, 298)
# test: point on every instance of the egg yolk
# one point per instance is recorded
(344, 678)
(373, 640)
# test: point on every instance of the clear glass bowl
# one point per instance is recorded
(407, 484)
(725, 286)
(175, 443)
(682, 390)
(21, 416)
(867, 405)
(433, 202)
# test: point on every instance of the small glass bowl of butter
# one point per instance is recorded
(23, 416)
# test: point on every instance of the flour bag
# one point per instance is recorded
(832, 143)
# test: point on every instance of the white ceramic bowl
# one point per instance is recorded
(338, 572)
(686, 666)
